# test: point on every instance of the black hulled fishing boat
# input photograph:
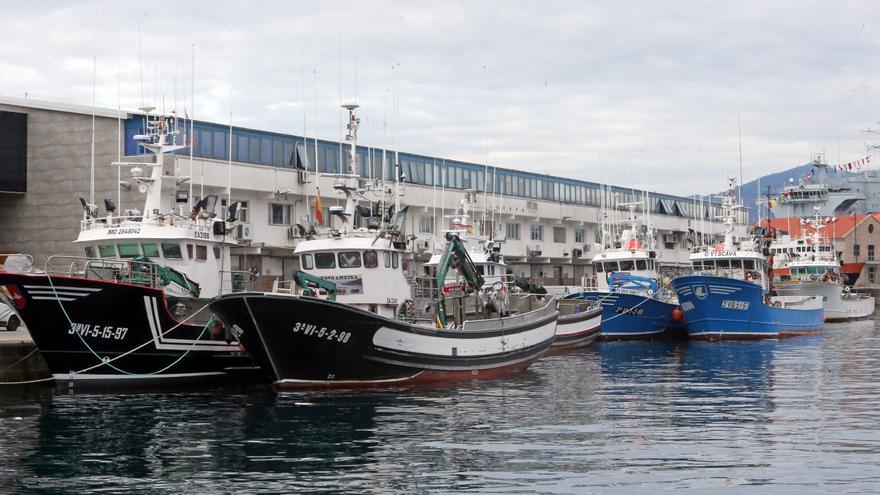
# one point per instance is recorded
(359, 321)
(128, 312)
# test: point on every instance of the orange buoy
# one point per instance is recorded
(677, 315)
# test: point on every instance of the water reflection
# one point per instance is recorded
(796, 415)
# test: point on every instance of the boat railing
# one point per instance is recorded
(125, 271)
(133, 221)
(17, 263)
(528, 308)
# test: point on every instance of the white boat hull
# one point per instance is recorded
(839, 305)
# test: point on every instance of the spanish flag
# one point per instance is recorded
(319, 215)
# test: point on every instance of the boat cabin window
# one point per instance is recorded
(216, 253)
(307, 262)
(90, 251)
(387, 259)
(201, 252)
(325, 260)
(107, 250)
(749, 264)
(349, 259)
(171, 251)
(641, 265)
(371, 259)
(395, 259)
(189, 251)
(736, 264)
(150, 250)
(598, 267)
(611, 266)
(626, 265)
(481, 270)
(722, 263)
(129, 251)
(490, 269)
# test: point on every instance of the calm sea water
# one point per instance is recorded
(794, 416)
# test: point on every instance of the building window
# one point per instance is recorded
(871, 228)
(279, 214)
(579, 236)
(426, 224)
(855, 250)
(558, 234)
(870, 252)
(537, 232)
(513, 231)
(872, 275)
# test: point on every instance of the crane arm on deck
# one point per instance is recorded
(455, 256)
(306, 282)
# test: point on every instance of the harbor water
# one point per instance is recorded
(794, 416)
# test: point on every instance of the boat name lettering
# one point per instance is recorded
(328, 334)
(687, 305)
(722, 253)
(98, 331)
(630, 311)
(202, 235)
(124, 230)
(743, 305)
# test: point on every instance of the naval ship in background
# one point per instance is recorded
(847, 194)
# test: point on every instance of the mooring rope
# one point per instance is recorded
(108, 361)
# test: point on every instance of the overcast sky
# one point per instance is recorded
(632, 93)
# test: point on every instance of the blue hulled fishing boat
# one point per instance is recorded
(728, 296)
(634, 306)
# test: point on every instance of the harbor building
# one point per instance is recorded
(548, 227)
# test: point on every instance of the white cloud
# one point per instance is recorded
(628, 92)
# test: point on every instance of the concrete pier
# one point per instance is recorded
(19, 358)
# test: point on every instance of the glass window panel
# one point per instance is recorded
(371, 259)
(90, 251)
(242, 153)
(107, 250)
(641, 265)
(626, 265)
(150, 250)
(307, 262)
(129, 251)
(171, 251)
(221, 145)
(266, 151)
(201, 252)
(349, 259)
(325, 260)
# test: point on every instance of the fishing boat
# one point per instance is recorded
(133, 310)
(634, 305)
(815, 271)
(728, 296)
(352, 318)
(579, 321)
